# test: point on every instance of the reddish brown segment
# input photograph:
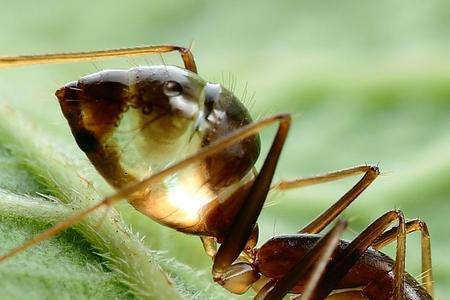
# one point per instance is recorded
(373, 271)
(311, 266)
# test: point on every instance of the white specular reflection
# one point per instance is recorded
(189, 194)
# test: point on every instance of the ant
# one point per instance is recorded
(189, 165)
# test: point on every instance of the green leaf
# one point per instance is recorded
(100, 256)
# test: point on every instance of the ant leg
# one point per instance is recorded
(203, 153)
(241, 230)
(321, 178)
(209, 245)
(186, 55)
(320, 222)
(343, 262)
(370, 173)
(411, 226)
(312, 265)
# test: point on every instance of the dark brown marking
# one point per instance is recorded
(226, 114)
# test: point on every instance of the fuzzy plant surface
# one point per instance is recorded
(98, 258)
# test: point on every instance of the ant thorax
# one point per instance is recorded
(133, 123)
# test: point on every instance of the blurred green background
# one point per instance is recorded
(367, 82)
